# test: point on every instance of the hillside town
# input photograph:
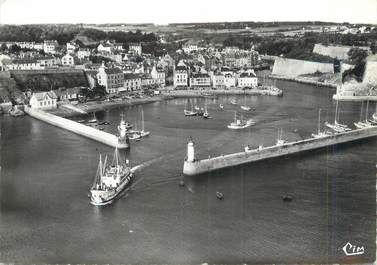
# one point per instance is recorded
(123, 69)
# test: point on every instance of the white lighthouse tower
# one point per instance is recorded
(190, 151)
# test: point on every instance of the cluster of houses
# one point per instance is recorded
(127, 68)
(222, 78)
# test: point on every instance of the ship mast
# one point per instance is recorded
(361, 111)
(366, 111)
(319, 121)
(142, 120)
(336, 112)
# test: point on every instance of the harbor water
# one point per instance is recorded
(46, 217)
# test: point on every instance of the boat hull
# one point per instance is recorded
(100, 198)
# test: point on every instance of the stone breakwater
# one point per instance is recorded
(196, 167)
(78, 128)
(304, 80)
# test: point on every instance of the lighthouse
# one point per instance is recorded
(190, 151)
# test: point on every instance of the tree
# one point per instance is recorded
(14, 48)
(3, 47)
(357, 56)
(373, 47)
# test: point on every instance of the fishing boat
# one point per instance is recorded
(110, 180)
(238, 124)
(233, 102)
(206, 114)
(280, 140)
(320, 133)
(196, 107)
(221, 106)
(94, 120)
(190, 112)
(143, 132)
(244, 106)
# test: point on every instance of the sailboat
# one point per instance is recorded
(143, 133)
(94, 120)
(110, 180)
(337, 127)
(190, 112)
(205, 114)
(374, 116)
(280, 140)
(366, 123)
(240, 123)
(319, 134)
(244, 106)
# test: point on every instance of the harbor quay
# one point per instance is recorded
(75, 127)
(193, 166)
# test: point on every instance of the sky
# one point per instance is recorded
(178, 11)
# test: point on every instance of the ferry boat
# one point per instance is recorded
(240, 123)
(110, 180)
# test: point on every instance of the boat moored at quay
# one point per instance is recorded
(193, 166)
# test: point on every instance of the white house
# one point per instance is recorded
(247, 79)
(200, 80)
(180, 75)
(111, 78)
(49, 46)
(104, 48)
(43, 100)
(83, 53)
(24, 64)
(47, 61)
(135, 48)
(71, 47)
(229, 80)
(158, 75)
(68, 60)
(132, 82)
(218, 80)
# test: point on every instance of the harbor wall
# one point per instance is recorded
(292, 67)
(199, 93)
(210, 164)
(78, 128)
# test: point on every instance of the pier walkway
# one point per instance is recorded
(78, 128)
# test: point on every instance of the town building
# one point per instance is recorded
(71, 47)
(43, 100)
(158, 75)
(180, 76)
(70, 94)
(68, 60)
(83, 53)
(218, 80)
(147, 80)
(200, 80)
(47, 61)
(229, 80)
(135, 48)
(247, 79)
(132, 82)
(24, 64)
(111, 78)
(190, 46)
(105, 48)
(49, 46)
